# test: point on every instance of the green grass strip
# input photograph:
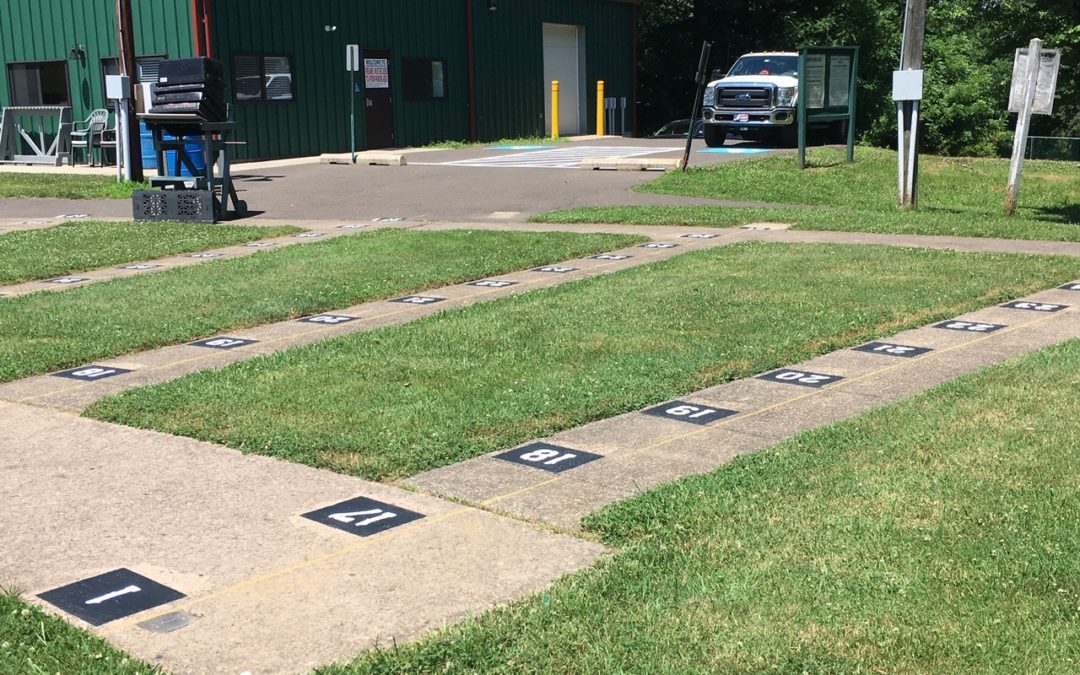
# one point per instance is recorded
(937, 535)
(403, 399)
(957, 197)
(42, 332)
(32, 641)
(62, 186)
(86, 245)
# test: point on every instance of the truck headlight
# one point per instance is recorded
(710, 97)
(785, 96)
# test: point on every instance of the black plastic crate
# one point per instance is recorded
(186, 206)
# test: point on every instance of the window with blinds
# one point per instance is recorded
(262, 77)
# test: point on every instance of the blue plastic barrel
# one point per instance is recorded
(146, 141)
(194, 148)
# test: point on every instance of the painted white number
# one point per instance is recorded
(659, 246)
(805, 378)
(1038, 307)
(68, 280)
(205, 255)
(223, 342)
(91, 373)
(552, 456)
(115, 594)
(492, 284)
(329, 319)
(965, 325)
(309, 235)
(894, 349)
(556, 269)
(609, 256)
(691, 411)
(140, 267)
(700, 236)
(376, 516)
(417, 300)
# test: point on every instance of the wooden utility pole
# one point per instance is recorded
(1023, 122)
(126, 40)
(911, 58)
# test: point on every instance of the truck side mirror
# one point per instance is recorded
(718, 73)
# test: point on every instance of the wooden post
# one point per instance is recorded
(911, 58)
(126, 40)
(1023, 121)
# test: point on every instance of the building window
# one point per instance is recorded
(146, 69)
(262, 77)
(424, 79)
(40, 83)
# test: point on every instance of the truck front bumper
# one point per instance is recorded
(745, 119)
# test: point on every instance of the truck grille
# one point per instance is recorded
(744, 97)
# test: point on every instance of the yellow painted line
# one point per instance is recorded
(122, 625)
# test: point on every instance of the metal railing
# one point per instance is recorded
(1065, 148)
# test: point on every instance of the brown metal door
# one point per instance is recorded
(378, 99)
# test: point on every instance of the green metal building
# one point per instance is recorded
(431, 70)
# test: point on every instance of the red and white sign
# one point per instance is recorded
(377, 73)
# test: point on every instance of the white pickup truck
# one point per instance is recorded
(756, 99)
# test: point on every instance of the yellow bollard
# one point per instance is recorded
(554, 108)
(600, 108)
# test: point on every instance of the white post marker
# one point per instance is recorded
(352, 64)
(1032, 92)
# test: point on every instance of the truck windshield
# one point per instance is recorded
(766, 65)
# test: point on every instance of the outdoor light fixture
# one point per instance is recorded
(77, 53)
(491, 6)
(329, 29)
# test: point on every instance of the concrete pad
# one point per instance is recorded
(846, 363)
(632, 163)
(748, 394)
(379, 595)
(478, 479)
(820, 408)
(273, 591)
(631, 431)
(369, 157)
(635, 472)
(562, 503)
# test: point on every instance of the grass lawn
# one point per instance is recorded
(957, 196)
(65, 186)
(42, 332)
(403, 399)
(525, 140)
(32, 641)
(85, 245)
(937, 535)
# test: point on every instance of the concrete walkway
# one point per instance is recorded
(269, 566)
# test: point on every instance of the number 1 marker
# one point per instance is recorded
(115, 594)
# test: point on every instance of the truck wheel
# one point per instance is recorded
(714, 135)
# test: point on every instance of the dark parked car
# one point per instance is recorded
(678, 129)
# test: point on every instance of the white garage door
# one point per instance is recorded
(564, 60)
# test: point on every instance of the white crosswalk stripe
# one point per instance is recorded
(556, 158)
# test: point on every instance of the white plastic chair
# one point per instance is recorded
(83, 133)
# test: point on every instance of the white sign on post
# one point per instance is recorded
(839, 80)
(1045, 84)
(815, 81)
(352, 58)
